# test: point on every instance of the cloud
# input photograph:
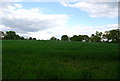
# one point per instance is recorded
(76, 30)
(32, 22)
(29, 20)
(58, 0)
(96, 9)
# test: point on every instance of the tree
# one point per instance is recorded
(75, 38)
(65, 38)
(96, 37)
(22, 38)
(113, 35)
(58, 39)
(81, 38)
(98, 34)
(1, 34)
(106, 36)
(11, 35)
(17, 37)
(53, 38)
(92, 38)
(34, 38)
(30, 38)
(85, 38)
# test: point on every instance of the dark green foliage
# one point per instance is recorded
(30, 38)
(11, 35)
(1, 34)
(59, 60)
(86, 38)
(22, 38)
(113, 35)
(34, 38)
(58, 39)
(96, 37)
(65, 38)
(80, 38)
(75, 38)
(53, 38)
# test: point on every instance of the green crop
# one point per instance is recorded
(30, 59)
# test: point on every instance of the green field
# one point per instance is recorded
(59, 60)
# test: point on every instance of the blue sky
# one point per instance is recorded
(77, 16)
(46, 19)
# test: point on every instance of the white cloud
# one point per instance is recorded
(29, 20)
(4, 28)
(77, 30)
(58, 0)
(96, 9)
(18, 5)
(90, 0)
(32, 22)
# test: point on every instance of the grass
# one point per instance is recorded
(0, 59)
(59, 60)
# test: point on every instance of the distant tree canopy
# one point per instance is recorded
(53, 38)
(11, 35)
(22, 38)
(112, 36)
(80, 38)
(65, 38)
(86, 38)
(96, 37)
(75, 38)
(34, 39)
(1, 34)
(30, 38)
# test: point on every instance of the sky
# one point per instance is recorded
(43, 20)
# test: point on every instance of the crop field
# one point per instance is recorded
(29, 59)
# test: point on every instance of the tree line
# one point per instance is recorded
(11, 35)
(112, 36)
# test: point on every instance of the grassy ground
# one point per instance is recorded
(59, 60)
(0, 59)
